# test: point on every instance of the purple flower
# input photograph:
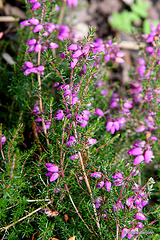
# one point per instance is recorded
(40, 68)
(100, 184)
(53, 45)
(77, 53)
(75, 156)
(38, 28)
(36, 5)
(124, 232)
(118, 179)
(25, 23)
(28, 64)
(99, 112)
(140, 216)
(148, 155)
(72, 47)
(135, 151)
(3, 139)
(71, 3)
(108, 185)
(37, 48)
(52, 171)
(31, 42)
(33, 21)
(60, 115)
(74, 62)
(92, 141)
(71, 141)
(138, 159)
(96, 175)
(32, 1)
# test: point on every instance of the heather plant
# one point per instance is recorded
(73, 167)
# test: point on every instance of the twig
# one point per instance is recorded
(77, 210)
(61, 13)
(87, 183)
(8, 19)
(131, 45)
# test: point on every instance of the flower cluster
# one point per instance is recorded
(142, 151)
(53, 172)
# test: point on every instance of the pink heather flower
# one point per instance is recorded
(38, 28)
(71, 3)
(72, 47)
(32, 1)
(140, 128)
(33, 21)
(77, 53)
(116, 125)
(31, 49)
(148, 155)
(25, 23)
(3, 139)
(135, 151)
(85, 115)
(83, 123)
(40, 68)
(128, 104)
(129, 202)
(99, 112)
(92, 141)
(150, 49)
(138, 159)
(104, 92)
(124, 232)
(140, 216)
(37, 48)
(74, 62)
(108, 185)
(53, 45)
(100, 184)
(140, 225)
(98, 202)
(36, 5)
(31, 42)
(109, 125)
(34, 70)
(96, 175)
(51, 167)
(56, 84)
(75, 156)
(118, 179)
(60, 115)
(71, 141)
(28, 64)
(27, 71)
(53, 171)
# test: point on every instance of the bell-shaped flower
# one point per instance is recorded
(148, 155)
(138, 159)
(124, 232)
(108, 185)
(135, 151)
(96, 175)
(140, 216)
(52, 171)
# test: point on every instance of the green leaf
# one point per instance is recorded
(140, 8)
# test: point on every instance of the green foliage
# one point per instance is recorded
(125, 21)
